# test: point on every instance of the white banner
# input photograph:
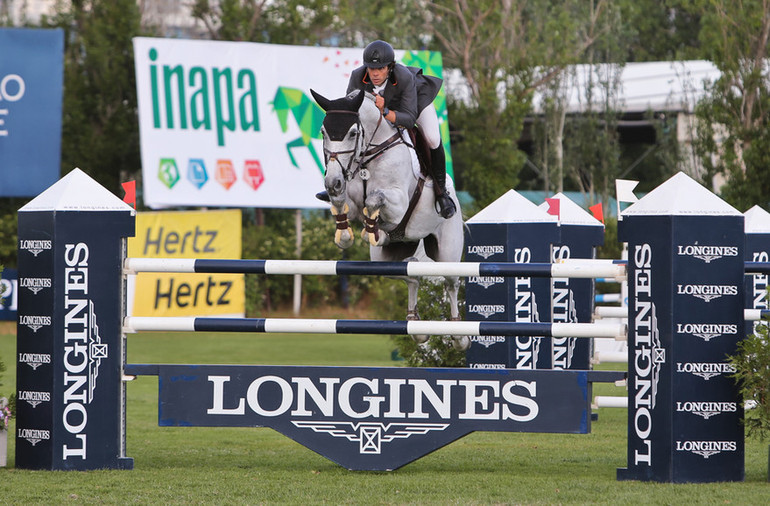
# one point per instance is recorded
(233, 124)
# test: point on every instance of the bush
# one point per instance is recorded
(752, 372)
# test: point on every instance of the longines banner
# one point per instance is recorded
(31, 73)
(373, 418)
(204, 234)
(233, 123)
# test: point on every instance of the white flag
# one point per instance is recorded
(624, 192)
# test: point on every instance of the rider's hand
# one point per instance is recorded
(379, 101)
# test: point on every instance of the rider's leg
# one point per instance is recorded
(427, 122)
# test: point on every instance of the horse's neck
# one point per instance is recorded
(370, 116)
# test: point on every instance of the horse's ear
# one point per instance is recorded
(321, 100)
(358, 100)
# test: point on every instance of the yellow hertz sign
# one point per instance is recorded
(206, 234)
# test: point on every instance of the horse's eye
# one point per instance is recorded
(353, 134)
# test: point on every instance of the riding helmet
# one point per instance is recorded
(378, 54)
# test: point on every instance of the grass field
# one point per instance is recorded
(259, 466)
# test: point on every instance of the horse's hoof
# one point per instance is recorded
(344, 238)
(420, 339)
(461, 343)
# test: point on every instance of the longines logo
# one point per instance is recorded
(35, 246)
(705, 370)
(34, 398)
(34, 436)
(707, 331)
(706, 448)
(35, 284)
(486, 310)
(707, 253)
(707, 292)
(487, 341)
(706, 409)
(83, 349)
(370, 435)
(398, 408)
(487, 366)
(35, 322)
(486, 250)
(34, 360)
(486, 281)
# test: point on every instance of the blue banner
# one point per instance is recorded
(9, 295)
(31, 74)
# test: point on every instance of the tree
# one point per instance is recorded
(732, 134)
(100, 133)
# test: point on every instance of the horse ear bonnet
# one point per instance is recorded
(337, 121)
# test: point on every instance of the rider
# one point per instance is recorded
(405, 96)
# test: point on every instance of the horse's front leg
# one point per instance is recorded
(382, 206)
(343, 234)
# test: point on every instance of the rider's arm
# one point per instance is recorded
(406, 109)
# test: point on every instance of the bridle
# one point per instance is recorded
(360, 154)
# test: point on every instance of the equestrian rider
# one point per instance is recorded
(405, 97)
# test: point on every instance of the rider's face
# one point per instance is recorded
(378, 76)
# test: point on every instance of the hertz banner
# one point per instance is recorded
(205, 234)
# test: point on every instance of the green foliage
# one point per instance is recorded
(432, 304)
(100, 132)
(733, 140)
(8, 236)
(752, 372)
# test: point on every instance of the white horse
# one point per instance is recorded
(370, 178)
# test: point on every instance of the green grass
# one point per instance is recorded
(255, 466)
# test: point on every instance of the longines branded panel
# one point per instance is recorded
(573, 298)
(34, 340)
(520, 299)
(686, 298)
(69, 339)
(374, 418)
(755, 285)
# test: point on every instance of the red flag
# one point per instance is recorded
(130, 189)
(553, 206)
(597, 211)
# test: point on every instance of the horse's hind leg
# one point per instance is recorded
(413, 287)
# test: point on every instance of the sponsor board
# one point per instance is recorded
(191, 234)
(374, 418)
(230, 124)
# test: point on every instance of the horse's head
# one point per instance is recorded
(343, 139)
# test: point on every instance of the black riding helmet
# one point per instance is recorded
(379, 54)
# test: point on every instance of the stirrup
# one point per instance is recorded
(446, 205)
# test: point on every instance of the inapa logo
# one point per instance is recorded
(225, 174)
(168, 173)
(196, 172)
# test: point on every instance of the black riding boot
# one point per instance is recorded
(438, 171)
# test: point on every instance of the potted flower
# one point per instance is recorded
(752, 372)
(5, 422)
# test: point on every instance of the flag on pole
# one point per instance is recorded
(130, 196)
(624, 191)
(597, 210)
(554, 207)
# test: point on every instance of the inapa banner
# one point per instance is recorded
(233, 124)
